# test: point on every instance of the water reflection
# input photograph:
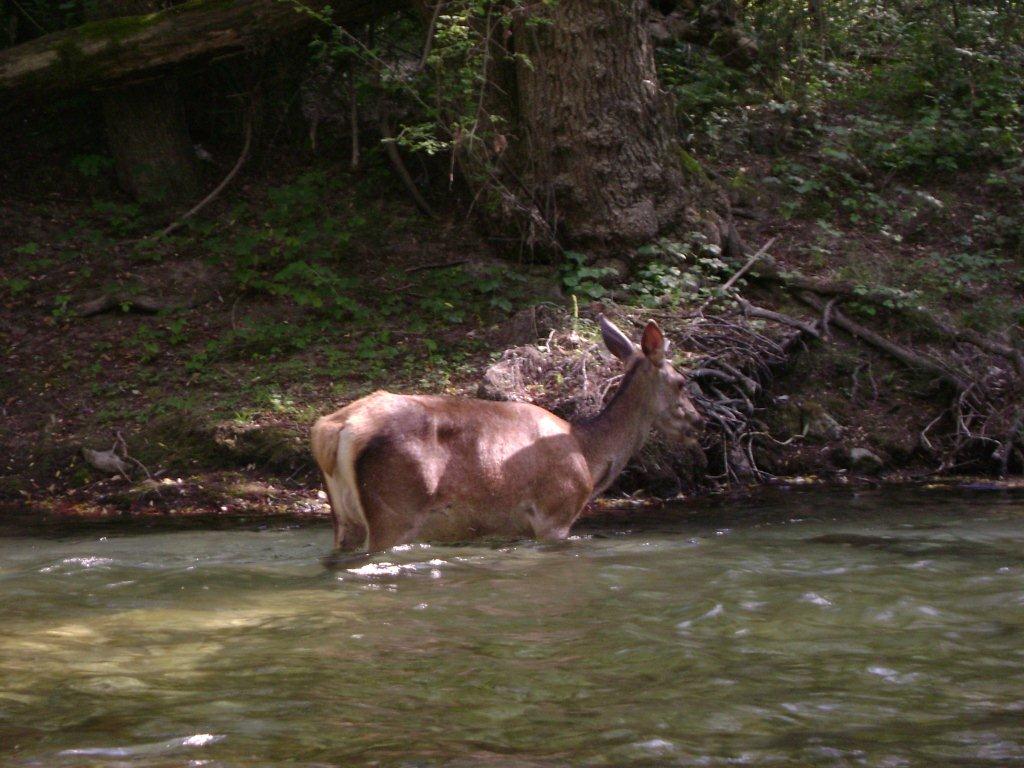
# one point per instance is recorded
(882, 628)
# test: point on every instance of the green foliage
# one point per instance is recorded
(581, 280)
(929, 87)
(705, 89)
(294, 247)
(61, 307)
(673, 272)
(117, 219)
(28, 249)
(91, 166)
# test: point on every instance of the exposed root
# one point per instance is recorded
(243, 155)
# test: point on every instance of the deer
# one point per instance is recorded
(405, 468)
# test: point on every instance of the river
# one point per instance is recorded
(878, 627)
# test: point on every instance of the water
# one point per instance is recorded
(881, 628)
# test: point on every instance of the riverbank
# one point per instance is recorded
(219, 501)
(202, 358)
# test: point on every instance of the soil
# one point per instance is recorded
(217, 419)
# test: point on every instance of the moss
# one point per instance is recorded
(121, 27)
(115, 29)
(691, 165)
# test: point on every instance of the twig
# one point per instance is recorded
(218, 189)
(1004, 451)
(750, 263)
(127, 456)
(391, 147)
(826, 316)
(28, 16)
(428, 43)
(924, 432)
(739, 273)
(353, 117)
(437, 265)
(753, 311)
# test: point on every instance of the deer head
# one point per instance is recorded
(650, 372)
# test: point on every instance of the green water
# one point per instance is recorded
(880, 628)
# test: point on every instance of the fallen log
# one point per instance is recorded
(906, 356)
(129, 47)
(767, 270)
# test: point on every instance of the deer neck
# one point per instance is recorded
(609, 439)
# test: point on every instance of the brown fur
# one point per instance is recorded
(417, 467)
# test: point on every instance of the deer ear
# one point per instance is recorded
(616, 341)
(653, 343)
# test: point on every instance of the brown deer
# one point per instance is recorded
(400, 468)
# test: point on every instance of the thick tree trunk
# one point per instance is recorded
(598, 140)
(149, 140)
(146, 128)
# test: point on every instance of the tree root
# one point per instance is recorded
(897, 351)
(243, 155)
(146, 305)
(984, 373)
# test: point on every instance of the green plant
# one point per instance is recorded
(119, 219)
(61, 307)
(91, 166)
(675, 271)
(28, 249)
(580, 279)
(16, 285)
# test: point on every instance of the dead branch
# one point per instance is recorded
(132, 47)
(146, 305)
(391, 147)
(106, 461)
(127, 456)
(1002, 454)
(766, 314)
(767, 270)
(243, 155)
(894, 350)
(437, 265)
(724, 289)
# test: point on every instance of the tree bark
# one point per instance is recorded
(597, 142)
(148, 137)
(146, 129)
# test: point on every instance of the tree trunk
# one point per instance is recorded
(146, 129)
(598, 147)
(148, 137)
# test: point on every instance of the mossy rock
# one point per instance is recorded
(199, 439)
(266, 445)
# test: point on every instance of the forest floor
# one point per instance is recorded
(308, 285)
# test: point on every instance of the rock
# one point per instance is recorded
(819, 424)
(265, 445)
(106, 461)
(510, 377)
(863, 460)
(530, 325)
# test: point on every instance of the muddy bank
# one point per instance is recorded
(781, 412)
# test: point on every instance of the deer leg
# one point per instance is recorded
(353, 536)
(554, 525)
(336, 519)
(388, 527)
(348, 534)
